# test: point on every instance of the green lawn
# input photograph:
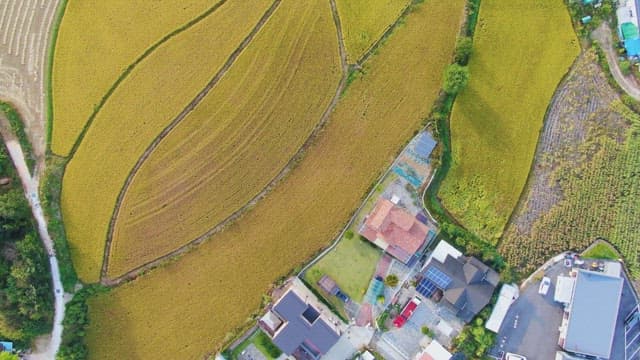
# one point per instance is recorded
(601, 251)
(521, 51)
(351, 264)
(262, 342)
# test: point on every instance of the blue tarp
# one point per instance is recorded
(424, 145)
(632, 46)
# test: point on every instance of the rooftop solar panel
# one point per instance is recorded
(438, 277)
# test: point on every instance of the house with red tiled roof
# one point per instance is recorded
(395, 230)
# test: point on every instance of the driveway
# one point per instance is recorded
(531, 325)
(603, 35)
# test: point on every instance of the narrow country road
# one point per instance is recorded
(49, 345)
(603, 35)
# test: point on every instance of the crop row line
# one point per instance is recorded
(188, 109)
(293, 161)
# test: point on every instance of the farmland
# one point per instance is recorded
(96, 42)
(364, 22)
(173, 74)
(496, 120)
(236, 140)
(192, 304)
(584, 184)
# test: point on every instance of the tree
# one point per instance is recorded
(8, 356)
(391, 280)
(464, 48)
(456, 78)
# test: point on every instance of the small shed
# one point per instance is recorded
(6, 346)
(508, 294)
(329, 285)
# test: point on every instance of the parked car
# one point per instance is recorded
(544, 286)
(511, 356)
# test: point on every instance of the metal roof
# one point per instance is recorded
(508, 294)
(298, 330)
(594, 311)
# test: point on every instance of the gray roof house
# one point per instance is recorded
(466, 284)
(593, 314)
(298, 328)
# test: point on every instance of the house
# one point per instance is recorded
(299, 327)
(464, 283)
(396, 231)
(6, 346)
(628, 26)
(435, 351)
(589, 328)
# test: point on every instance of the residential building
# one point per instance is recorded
(299, 326)
(590, 318)
(463, 283)
(435, 351)
(396, 231)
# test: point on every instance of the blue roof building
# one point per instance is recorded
(593, 314)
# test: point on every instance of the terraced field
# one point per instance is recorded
(192, 304)
(97, 41)
(521, 51)
(148, 100)
(364, 22)
(238, 138)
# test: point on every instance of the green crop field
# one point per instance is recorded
(521, 51)
(192, 304)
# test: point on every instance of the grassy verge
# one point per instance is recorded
(75, 324)
(49, 72)
(50, 190)
(261, 341)
(18, 129)
(601, 251)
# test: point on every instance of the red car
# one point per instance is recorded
(406, 313)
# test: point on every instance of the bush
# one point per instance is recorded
(391, 280)
(464, 48)
(426, 331)
(456, 78)
(625, 67)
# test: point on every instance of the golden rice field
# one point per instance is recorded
(238, 139)
(142, 106)
(521, 51)
(97, 41)
(364, 22)
(190, 305)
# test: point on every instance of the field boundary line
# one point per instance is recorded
(177, 120)
(150, 50)
(293, 161)
(386, 33)
(537, 152)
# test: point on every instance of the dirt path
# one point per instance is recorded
(270, 186)
(603, 35)
(46, 346)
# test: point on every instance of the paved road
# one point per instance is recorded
(47, 347)
(603, 35)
